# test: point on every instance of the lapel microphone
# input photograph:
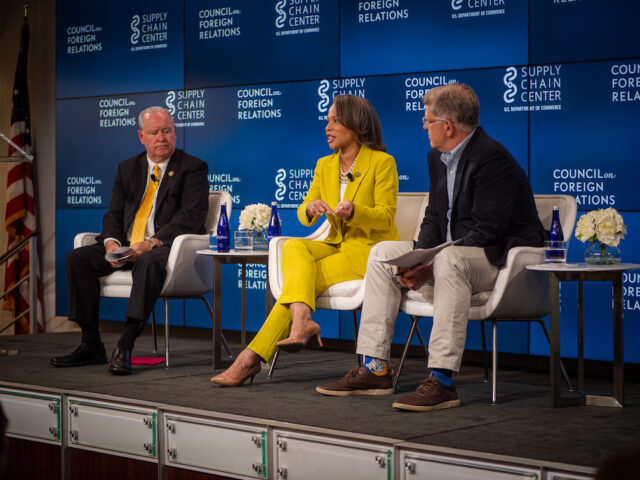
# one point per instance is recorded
(153, 178)
(350, 176)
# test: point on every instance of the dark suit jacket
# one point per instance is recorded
(493, 205)
(181, 205)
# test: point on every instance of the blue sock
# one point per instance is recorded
(443, 376)
(375, 365)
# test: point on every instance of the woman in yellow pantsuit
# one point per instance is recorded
(356, 188)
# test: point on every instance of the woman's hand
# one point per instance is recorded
(315, 208)
(344, 209)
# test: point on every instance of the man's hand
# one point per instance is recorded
(112, 246)
(138, 249)
(315, 208)
(344, 209)
(414, 277)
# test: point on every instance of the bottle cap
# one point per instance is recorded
(274, 203)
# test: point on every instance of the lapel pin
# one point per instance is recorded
(357, 174)
(171, 173)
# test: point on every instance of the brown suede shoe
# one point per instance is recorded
(430, 395)
(359, 381)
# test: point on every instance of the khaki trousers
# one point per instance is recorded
(458, 273)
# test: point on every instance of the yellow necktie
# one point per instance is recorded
(142, 216)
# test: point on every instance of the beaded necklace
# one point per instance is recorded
(344, 176)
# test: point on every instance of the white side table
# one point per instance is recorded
(581, 272)
(242, 257)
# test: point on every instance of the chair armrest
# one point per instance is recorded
(187, 272)
(275, 256)
(84, 238)
(518, 292)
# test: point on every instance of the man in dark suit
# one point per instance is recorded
(157, 195)
(481, 199)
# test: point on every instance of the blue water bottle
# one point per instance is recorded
(274, 222)
(555, 251)
(223, 230)
(555, 232)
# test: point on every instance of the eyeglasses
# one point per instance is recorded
(427, 123)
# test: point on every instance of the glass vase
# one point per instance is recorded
(598, 253)
(260, 240)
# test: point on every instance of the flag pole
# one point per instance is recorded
(36, 276)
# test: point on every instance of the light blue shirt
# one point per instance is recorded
(451, 160)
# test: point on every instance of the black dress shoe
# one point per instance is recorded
(121, 362)
(83, 355)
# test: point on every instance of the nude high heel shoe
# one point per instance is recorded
(295, 344)
(225, 380)
(248, 363)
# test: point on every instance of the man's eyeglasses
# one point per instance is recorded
(427, 123)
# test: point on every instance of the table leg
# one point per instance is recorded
(217, 316)
(618, 339)
(243, 324)
(580, 337)
(554, 344)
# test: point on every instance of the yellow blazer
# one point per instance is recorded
(373, 191)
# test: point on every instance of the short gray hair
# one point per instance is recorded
(456, 102)
(150, 110)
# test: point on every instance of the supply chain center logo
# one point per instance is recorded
(187, 107)
(477, 8)
(149, 31)
(292, 186)
(534, 88)
(328, 89)
(297, 17)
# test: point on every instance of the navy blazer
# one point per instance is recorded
(181, 205)
(493, 204)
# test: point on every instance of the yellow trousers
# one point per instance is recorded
(308, 268)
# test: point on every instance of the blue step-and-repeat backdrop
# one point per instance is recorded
(249, 83)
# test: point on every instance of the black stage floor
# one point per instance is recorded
(522, 425)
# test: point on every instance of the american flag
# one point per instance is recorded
(20, 218)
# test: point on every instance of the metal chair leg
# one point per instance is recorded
(494, 364)
(414, 324)
(564, 371)
(224, 339)
(274, 360)
(484, 352)
(424, 346)
(354, 317)
(166, 332)
(153, 331)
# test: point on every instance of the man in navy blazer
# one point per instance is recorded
(178, 202)
(481, 199)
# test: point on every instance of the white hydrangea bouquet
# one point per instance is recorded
(603, 229)
(255, 217)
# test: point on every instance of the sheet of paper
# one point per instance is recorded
(422, 256)
(118, 255)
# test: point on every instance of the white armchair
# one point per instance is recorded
(189, 275)
(348, 296)
(519, 294)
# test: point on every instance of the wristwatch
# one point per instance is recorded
(153, 245)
